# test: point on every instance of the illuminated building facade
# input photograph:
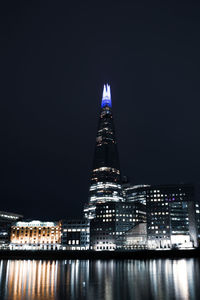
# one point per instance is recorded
(35, 235)
(197, 211)
(135, 238)
(106, 178)
(171, 218)
(6, 219)
(112, 220)
(134, 193)
(75, 235)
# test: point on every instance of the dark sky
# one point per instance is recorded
(55, 58)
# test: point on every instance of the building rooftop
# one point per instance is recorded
(36, 223)
(9, 216)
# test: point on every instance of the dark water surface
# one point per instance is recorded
(100, 279)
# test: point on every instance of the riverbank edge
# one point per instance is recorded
(93, 255)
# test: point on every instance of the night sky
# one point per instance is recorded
(55, 58)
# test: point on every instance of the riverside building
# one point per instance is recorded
(6, 219)
(105, 183)
(112, 220)
(75, 235)
(197, 211)
(171, 217)
(135, 238)
(36, 235)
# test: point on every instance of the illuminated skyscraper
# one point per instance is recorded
(105, 179)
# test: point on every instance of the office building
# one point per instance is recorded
(112, 220)
(105, 183)
(135, 238)
(6, 219)
(75, 235)
(171, 218)
(134, 193)
(197, 211)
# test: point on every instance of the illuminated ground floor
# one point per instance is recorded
(35, 246)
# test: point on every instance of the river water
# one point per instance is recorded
(100, 279)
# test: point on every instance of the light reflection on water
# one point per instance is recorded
(99, 279)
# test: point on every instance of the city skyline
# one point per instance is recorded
(52, 79)
(99, 150)
(106, 101)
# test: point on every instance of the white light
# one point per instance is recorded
(36, 224)
(106, 92)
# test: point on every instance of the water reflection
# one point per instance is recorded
(109, 280)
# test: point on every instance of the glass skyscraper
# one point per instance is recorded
(105, 178)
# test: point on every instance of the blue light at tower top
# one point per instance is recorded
(106, 98)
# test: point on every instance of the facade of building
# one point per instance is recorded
(35, 235)
(105, 178)
(112, 220)
(135, 238)
(197, 211)
(171, 218)
(75, 235)
(6, 219)
(134, 193)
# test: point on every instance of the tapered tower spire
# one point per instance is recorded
(106, 98)
(105, 178)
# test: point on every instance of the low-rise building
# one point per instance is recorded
(75, 235)
(6, 220)
(36, 235)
